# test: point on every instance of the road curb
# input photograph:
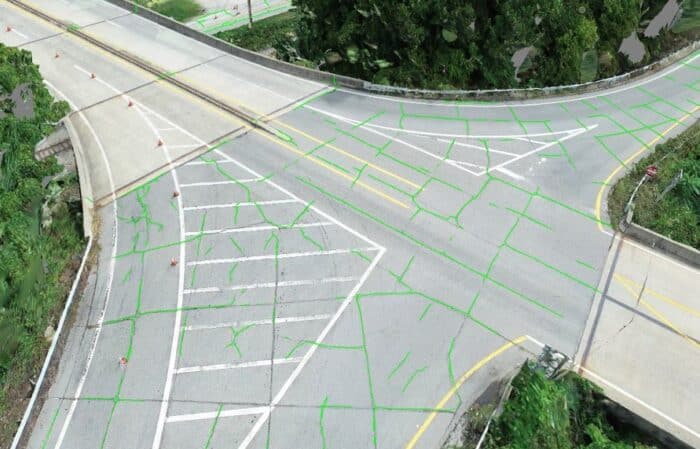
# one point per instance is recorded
(361, 85)
(86, 196)
(659, 242)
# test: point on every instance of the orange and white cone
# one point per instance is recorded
(123, 361)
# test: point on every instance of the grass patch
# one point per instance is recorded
(265, 33)
(677, 215)
(40, 238)
(180, 10)
(566, 413)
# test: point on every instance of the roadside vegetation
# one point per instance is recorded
(180, 10)
(40, 236)
(272, 32)
(676, 214)
(465, 44)
(566, 413)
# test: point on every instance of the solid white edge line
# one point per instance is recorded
(52, 348)
(330, 252)
(296, 283)
(243, 204)
(278, 320)
(292, 377)
(258, 228)
(640, 402)
(110, 279)
(214, 415)
(219, 183)
(241, 365)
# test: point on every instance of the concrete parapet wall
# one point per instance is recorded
(654, 240)
(83, 177)
(354, 83)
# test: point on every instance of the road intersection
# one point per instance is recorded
(333, 283)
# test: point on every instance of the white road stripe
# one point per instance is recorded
(291, 319)
(271, 285)
(20, 34)
(112, 263)
(224, 366)
(513, 175)
(214, 415)
(195, 162)
(220, 183)
(477, 147)
(330, 252)
(243, 204)
(322, 336)
(259, 228)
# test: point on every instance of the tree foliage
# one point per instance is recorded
(468, 43)
(27, 250)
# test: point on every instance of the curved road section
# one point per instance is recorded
(352, 279)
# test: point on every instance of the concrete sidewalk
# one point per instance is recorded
(222, 15)
(642, 339)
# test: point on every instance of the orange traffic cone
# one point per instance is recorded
(173, 262)
(92, 75)
(160, 143)
(123, 361)
(131, 103)
(176, 194)
(8, 29)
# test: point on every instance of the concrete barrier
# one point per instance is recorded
(83, 177)
(354, 83)
(657, 241)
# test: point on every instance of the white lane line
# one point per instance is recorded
(112, 262)
(432, 134)
(196, 162)
(290, 380)
(538, 142)
(329, 252)
(259, 228)
(167, 129)
(227, 366)
(214, 415)
(282, 320)
(191, 291)
(640, 402)
(490, 105)
(220, 183)
(513, 175)
(540, 148)
(180, 294)
(242, 204)
(21, 35)
(478, 147)
(114, 24)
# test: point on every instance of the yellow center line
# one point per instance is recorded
(480, 364)
(319, 162)
(671, 301)
(603, 187)
(635, 294)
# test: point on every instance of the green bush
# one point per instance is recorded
(275, 31)
(33, 254)
(677, 214)
(179, 10)
(555, 414)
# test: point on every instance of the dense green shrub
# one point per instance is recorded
(469, 43)
(555, 414)
(677, 214)
(34, 249)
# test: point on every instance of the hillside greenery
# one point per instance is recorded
(445, 44)
(40, 234)
(566, 413)
(676, 214)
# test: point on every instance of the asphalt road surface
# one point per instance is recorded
(353, 281)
